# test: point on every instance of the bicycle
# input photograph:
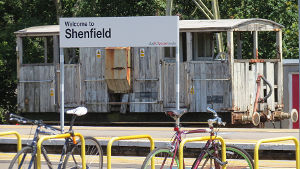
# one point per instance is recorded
(70, 155)
(209, 157)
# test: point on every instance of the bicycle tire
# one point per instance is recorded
(237, 158)
(160, 154)
(93, 151)
(27, 162)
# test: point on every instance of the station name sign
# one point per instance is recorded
(144, 31)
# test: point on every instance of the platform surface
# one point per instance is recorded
(241, 137)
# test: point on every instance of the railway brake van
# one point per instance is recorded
(237, 81)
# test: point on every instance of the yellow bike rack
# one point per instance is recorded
(41, 140)
(109, 145)
(201, 139)
(19, 142)
(256, 158)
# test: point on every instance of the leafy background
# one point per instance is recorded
(19, 14)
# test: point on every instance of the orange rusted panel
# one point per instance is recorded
(117, 69)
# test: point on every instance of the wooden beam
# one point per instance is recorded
(230, 48)
(279, 44)
(55, 49)
(239, 45)
(189, 47)
(19, 55)
(255, 45)
(45, 49)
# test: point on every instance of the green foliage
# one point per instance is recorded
(112, 8)
(284, 12)
(16, 15)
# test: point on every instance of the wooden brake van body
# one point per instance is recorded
(132, 79)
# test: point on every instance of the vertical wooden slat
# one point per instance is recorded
(195, 73)
(52, 85)
(270, 77)
(280, 68)
(203, 87)
(36, 76)
(20, 96)
(246, 85)
(43, 99)
(21, 90)
(252, 84)
(135, 57)
(56, 74)
(189, 46)
(209, 88)
(55, 49)
(235, 86)
(255, 44)
(239, 45)
(230, 49)
(45, 50)
(260, 71)
(242, 88)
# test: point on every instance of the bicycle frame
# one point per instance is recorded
(210, 143)
(67, 147)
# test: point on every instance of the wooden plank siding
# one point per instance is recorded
(245, 87)
(94, 92)
(169, 85)
(72, 86)
(209, 86)
(146, 80)
(34, 88)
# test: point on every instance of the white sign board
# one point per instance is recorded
(142, 31)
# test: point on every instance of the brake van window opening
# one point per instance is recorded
(88, 34)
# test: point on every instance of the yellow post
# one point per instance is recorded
(41, 140)
(19, 141)
(109, 145)
(201, 139)
(256, 158)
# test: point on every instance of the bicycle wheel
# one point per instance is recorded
(27, 160)
(93, 155)
(163, 159)
(237, 159)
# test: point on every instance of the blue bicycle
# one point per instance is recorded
(70, 155)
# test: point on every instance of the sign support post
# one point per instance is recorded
(177, 77)
(62, 89)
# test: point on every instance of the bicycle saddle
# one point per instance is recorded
(79, 111)
(175, 114)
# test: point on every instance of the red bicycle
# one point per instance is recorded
(210, 155)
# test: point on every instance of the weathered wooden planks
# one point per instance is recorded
(93, 87)
(202, 84)
(209, 86)
(245, 87)
(34, 92)
(146, 80)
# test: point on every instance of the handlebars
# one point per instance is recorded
(216, 120)
(176, 114)
(23, 120)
